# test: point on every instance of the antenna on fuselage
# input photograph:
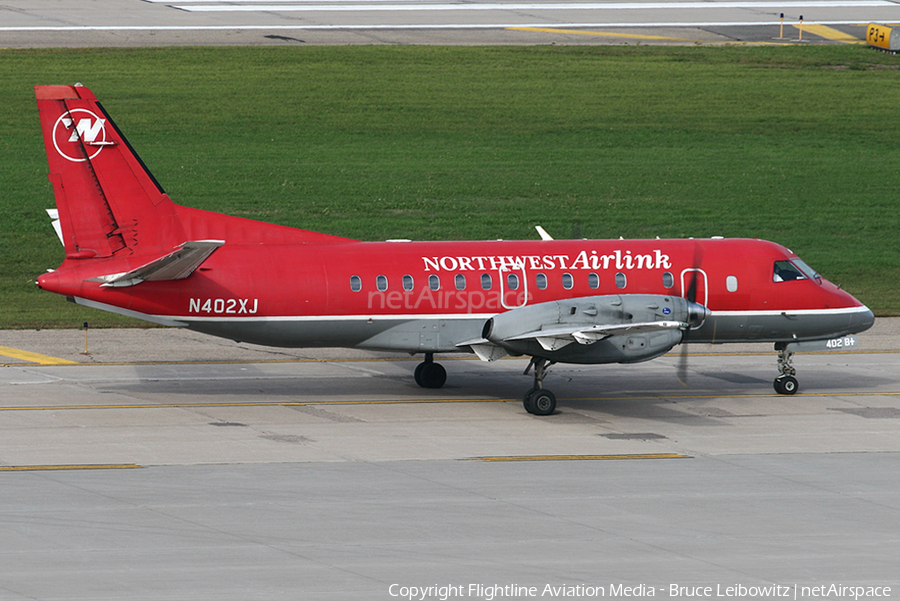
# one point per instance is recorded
(543, 233)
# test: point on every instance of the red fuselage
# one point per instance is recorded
(370, 281)
(131, 250)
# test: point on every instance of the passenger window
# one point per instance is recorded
(731, 283)
(381, 283)
(567, 281)
(434, 282)
(512, 281)
(407, 282)
(668, 279)
(355, 283)
(593, 280)
(785, 271)
(486, 282)
(541, 281)
(621, 280)
(460, 281)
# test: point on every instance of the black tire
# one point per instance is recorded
(418, 374)
(433, 375)
(786, 385)
(541, 402)
(527, 401)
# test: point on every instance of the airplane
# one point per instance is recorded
(131, 250)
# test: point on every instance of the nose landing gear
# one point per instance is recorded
(786, 383)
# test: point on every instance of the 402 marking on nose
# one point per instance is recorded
(224, 306)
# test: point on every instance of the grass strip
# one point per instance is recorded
(791, 144)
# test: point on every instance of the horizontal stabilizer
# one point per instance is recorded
(176, 265)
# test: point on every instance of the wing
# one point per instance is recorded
(632, 327)
(555, 338)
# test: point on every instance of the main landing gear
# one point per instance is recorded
(786, 383)
(539, 400)
(429, 374)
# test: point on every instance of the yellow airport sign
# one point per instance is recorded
(883, 37)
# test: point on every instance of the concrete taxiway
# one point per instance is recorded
(167, 465)
(82, 23)
(168, 396)
(160, 464)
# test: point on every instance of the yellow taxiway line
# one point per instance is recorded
(633, 36)
(246, 404)
(47, 360)
(823, 31)
(46, 468)
(636, 397)
(582, 457)
(34, 357)
(830, 33)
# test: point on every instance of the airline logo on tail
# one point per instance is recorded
(79, 135)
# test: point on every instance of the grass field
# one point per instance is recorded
(793, 144)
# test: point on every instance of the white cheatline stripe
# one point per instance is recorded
(183, 320)
(836, 311)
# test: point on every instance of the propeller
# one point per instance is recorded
(696, 315)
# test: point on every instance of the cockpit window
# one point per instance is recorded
(786, 271)
(806, 269)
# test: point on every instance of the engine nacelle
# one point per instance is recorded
(596, 329)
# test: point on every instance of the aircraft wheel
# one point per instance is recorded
(540, 402)
(527, 402)
(430, 375)
(418, 374)
(786, 385)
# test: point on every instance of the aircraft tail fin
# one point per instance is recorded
(107, 201)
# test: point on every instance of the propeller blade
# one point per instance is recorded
(691, 293)
(697, 315)
(681, 368)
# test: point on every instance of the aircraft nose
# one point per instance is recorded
(862, 321)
